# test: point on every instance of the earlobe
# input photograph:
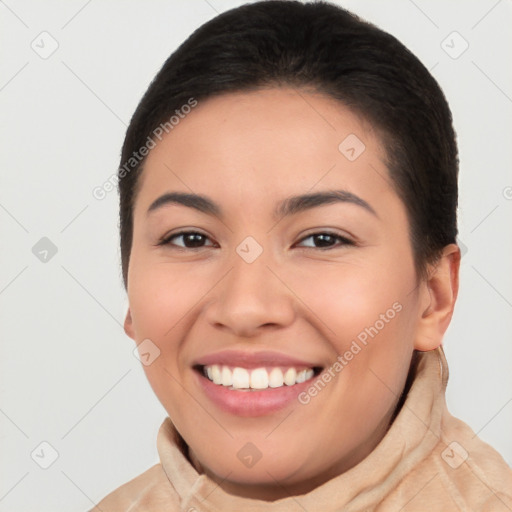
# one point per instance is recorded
(442, 289)
(128, 325)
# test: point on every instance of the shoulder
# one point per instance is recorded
(151, 491)
(484, 474)
(470, 471)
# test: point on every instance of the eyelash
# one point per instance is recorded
(167, 240)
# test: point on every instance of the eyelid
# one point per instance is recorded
(166, 239)
(347, 240)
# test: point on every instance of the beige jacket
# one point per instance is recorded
(427, 461)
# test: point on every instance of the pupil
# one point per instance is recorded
(324, 239)
(195, 239)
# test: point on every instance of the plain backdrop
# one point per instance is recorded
(71, 75)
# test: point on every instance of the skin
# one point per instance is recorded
(248, 151)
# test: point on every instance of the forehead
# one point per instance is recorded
(280, 117)
(261, 143)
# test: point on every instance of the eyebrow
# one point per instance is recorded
(285, 208)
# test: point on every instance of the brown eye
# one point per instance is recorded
(326, 240)
(189, 240)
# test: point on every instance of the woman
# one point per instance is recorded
(288, 195)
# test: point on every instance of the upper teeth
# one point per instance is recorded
(259, 378)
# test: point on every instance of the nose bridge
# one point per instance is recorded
(249, 282)
(250, 295)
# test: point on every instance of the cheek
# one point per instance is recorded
(161, 298)
(161, 294)
(366, 314)
(350, 296)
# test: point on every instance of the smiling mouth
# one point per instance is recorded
(256, 379)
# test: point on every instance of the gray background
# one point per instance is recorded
(68, 375)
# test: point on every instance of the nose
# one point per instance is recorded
(251, 298)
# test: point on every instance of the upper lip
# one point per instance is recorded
(245, 359)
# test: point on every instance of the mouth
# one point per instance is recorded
(237, 378)
(254, 392)
(253, 383)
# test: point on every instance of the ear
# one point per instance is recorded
(128, 325)
(438, 296)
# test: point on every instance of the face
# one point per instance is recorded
(272, 289)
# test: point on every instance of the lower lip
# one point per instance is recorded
(252, 403)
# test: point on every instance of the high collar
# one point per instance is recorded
(411, 437)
